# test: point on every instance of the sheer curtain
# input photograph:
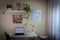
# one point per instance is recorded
(55, 26)
(55, 19)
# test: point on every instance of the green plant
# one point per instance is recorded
(9, 6)
(27, 10)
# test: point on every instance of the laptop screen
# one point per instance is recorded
(19, 30)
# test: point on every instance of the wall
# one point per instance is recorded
(50, 17)
(7, 22)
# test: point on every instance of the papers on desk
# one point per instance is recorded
(33, 34)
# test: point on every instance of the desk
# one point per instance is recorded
(25, 38)
(30, 36)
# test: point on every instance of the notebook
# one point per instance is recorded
(19, 31)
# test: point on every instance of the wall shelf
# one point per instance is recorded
(15, 11)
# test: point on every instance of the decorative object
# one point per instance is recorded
(31, 27)
(17, 18)
(18, 6)
(26, 8)
(31, 31)
(9, 6)
(36, 15)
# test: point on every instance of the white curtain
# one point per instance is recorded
(55, 26)
(55, 19)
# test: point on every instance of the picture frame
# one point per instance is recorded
(36, 15)
(17, 18)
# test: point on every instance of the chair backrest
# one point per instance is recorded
(7, 36)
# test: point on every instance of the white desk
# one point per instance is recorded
(26, 37)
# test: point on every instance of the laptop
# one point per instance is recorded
(19, 31)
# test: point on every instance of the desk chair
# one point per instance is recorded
(8, 37)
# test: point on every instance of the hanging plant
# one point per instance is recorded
(27, 10)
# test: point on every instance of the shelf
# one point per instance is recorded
(15, 11)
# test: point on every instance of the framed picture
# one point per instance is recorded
(36, 15)
(17, 18)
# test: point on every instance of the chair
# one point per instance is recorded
(7, 36)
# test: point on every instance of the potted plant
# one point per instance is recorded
(27, 9)
(9, 6)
